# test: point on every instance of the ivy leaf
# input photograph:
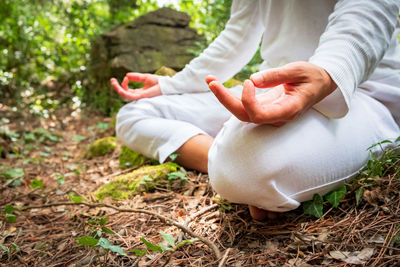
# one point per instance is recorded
(334, 197)
(87, 241)
(37, 183)
(314, 207)
(151, 246)
(107, 230)
(168, 238)
(359, 193)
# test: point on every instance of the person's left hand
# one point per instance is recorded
(296, 88)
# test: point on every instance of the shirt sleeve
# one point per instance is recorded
(226, 56)
(354, 42)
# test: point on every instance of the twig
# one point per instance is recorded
(194, 216)
(159, 216)
(224, 258)
(6, 184)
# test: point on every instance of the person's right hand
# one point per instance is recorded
(150, 86)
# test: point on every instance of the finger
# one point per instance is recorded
(125, 83)
(137, 77)
(229, 100)
(121, 91)
(273, 77)
(250, 103)
(210, 78)
(281, 111)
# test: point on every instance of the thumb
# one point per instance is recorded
(273, 77)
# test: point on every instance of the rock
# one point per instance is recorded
(101, 147)
(140, 180)
(130, 159)
(165, 71)
(159, 38)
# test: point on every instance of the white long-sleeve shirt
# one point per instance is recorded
(353, 40)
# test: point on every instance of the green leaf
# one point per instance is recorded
(37, 183)
(87, 241)
(359, 194)
(107, 230)
(139, 252)
(334, 197)
(151, 246)
(174, 175)
(187, 241)
(164, 247)
(173, 156)
(78, 138)
(398, 139)
(74, 198)
(314, 207)
(168, 238)
(104, 243)
(9, 209)
(117, 249)
(11, 218)
(103, 221)
(14, 173)
(44, 154)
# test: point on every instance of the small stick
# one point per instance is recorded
(159, 216)
(224, 258)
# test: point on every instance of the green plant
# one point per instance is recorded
(96, 239)
(10, 250)
(376, 167)
(9, 213)
(170, 245)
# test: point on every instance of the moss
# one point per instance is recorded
(232, 82)
(165, 71)
(141, 180)
(130, 159)
(101, 147)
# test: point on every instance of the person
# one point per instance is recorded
(328, 88)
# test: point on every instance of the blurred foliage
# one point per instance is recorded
(45, 44)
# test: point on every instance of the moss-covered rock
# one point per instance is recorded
(165, 71)
(130, 159)
(140, 180)
(232, 82)
(101, 147)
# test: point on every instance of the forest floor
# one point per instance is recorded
(45, 233)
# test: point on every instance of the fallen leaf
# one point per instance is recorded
(356, 257)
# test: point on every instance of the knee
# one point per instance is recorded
(131, 114)
(242, 170)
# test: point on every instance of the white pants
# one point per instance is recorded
(274, 168)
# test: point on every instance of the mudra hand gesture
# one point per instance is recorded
(296, 87)
(150, 86)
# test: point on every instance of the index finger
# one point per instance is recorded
(137, 76)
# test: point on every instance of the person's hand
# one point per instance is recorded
(296, 88)
(150, 86)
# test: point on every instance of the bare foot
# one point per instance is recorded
(260, 214)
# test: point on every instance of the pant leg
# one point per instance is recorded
(276, 168)
(158, 126)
